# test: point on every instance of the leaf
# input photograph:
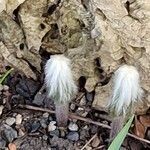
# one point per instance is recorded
(116, 143)
(4, 76)
(145, 120)
(139, 128)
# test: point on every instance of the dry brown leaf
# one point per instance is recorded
(12, 146)
(145, 120)
(139, 129)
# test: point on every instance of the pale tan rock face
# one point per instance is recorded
(113, 32)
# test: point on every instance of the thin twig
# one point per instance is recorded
(73, 116)
(91, 139)
(100, 147)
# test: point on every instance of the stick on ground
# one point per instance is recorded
(74, 116)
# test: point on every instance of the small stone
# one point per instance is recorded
(90, 96)
(83, 101)
(85, 127)
(5, 87)
(54, 133)
(50, 118)
(88, 148)
(95, 142)
(18, 119)
(72, 106)
(52, 126)
(4, 100)
(35, 126)
(1, 87)
(46, 115)
(2, 143)
(62, 133)
(79, 111)
(9, 133)
(14, 114)
(84, 114)
(84, 134)
(21, 133)
(1, 109)
(73, 136)
(10, 121)
(45, 137)
(73, 126)
(43, 123)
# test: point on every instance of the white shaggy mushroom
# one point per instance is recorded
(60, 85)
(126, 92)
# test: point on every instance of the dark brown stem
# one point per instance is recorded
(116, 126)
(62, 112)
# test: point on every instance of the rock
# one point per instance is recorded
(72, 106)
(39, 97)
(60, 143)
(5, 87)
(1, 109)
(18, 119)
(62, 133)
(84, 114)
(90, 96)
(54, 133)
(21, 133)
(46, 115)
(45, 137)
(52, 126)
(73, 126)
(43, 123)
(88, 148)
(95, 142)
(102, 95)
(84, 134)
(50, 118)
(83, 101)
(73, 136)
(79, 111)
(2, 143)
(35, 126)
(10, 121)
(9, 133)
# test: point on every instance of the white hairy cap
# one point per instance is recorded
(126, 89)
(59, 80)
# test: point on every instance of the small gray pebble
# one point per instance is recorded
(45, 137)
(2, 143)
(73, 126)
(54, 133)
(9, 133)
(46, 115)
(10, 121)
(43, 123)
(73, 136)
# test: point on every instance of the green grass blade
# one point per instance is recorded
(118, 140)
(4, 76)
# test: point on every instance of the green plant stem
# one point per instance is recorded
(5, 75)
